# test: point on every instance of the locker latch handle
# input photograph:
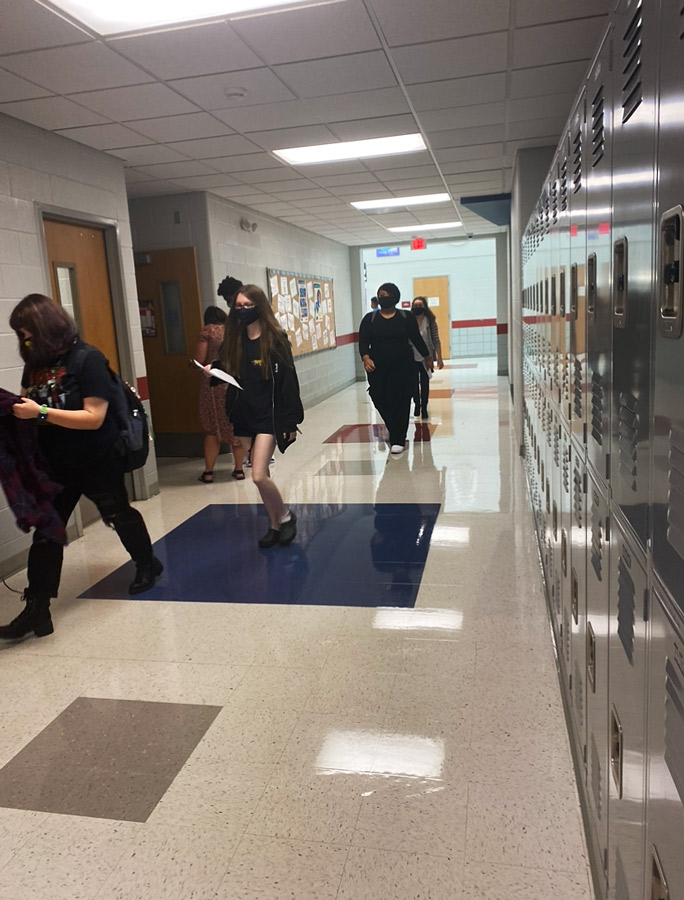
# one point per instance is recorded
(573, 291)
(616, 750)
(591, 288)
(591, 657)
(670, 269)
(574, 589)
(620, 283)
(659, 888)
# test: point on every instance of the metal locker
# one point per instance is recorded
(634, 141)
(557, 335)
(554, 532)
(597, 629)
(578, 256)
(665, 806)
(629, 610)
(578, 601)
(564, 263)
(566, 519)
(599, 258)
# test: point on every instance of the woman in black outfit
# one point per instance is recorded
(68, 391)
(387, 355)
(266, 412)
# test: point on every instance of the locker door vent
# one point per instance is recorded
(577, 161)
(554, 201)
(577, 498)
(675, 477)
(578, 388)
(632, 90)
(557, 593)
(598, 132)
(556, 446)
(628, 436)
(621, 884)
(596, 778)
(566, 470)
(674, 725)
(566, 635)
(597, 408)
(577, 686)
(597, 538)
(564, 185)
(626, 609)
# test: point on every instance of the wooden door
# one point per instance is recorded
(436, 289)
(80, 282)
(171, 319)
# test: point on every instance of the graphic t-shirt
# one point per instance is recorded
(69, 449)
(252, 412)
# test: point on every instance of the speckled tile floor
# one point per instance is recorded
(401, 752)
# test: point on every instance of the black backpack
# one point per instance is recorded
(133, 442)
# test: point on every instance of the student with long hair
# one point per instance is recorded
(427, 325)
(266, 412)
(212, 400)
(77, 436)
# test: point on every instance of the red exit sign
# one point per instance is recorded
(418, 244)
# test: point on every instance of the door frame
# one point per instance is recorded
(111, 229)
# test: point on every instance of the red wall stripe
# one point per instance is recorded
(502, 328)
(473, 323)
(351, 338)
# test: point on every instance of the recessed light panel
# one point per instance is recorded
(117, 16)
(436, 227)
(391, 202)
(323, 153)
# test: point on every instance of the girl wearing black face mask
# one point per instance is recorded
(267, 410)
(427, 325)
(386, 338)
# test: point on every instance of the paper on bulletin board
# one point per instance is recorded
(318, 331)
(281, 304)
(290, 322)
(305, 331)
(433, 301)
(295, 308)
(326, 290)
(327, 323)
(309, 290)
(314, 341)
(293, 287)
(274, 285)
(283, 284)
(326, 339)
(298, 337)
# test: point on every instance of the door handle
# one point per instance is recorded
(591, 657)
(616, 750)
(574, 593)
(591, 288)
(670, 270)
(573, 291)
(620, 283)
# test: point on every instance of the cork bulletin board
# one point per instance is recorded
(305, 307)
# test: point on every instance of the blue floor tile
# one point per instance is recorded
(344, 555)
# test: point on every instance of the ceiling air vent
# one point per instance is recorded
(632, 92)
(577, 161)
(598, 132)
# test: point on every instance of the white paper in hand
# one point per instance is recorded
(220, 374)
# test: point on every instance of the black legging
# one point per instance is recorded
(105, 486)
(421, 388)
(390, 389)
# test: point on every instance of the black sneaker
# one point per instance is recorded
(145, 576)
(270, 539)
(288, 530)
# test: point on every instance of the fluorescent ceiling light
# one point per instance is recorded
(434, 227)
(115, 16)
(323, 153)
(390, 202)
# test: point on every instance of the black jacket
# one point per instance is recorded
(412, 332)
(288, 411)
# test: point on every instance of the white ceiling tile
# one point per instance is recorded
(458, 92)
(312, 32)
(52, 112)
(209, 91)
(287, 114)
(281, 138)
(66, 70)
(147, 155)
(150, 188)
(184, 52)
(537, 12)
(473, 165)
(452, 59)
(359, 105)
(415, 186)
(475, 151)
(536, 128)
(29, 26)
(170, 170)
(247, 162)
(463, 117)
(462, 136)
(105, 137)
(182, 128)
(418, 22)
(340, 168)
(386, 126)
(544, 44)
(132, 176)
(338, 74)
(139, 102)
(402, 160)
(548, 106)
(554, 79)
(236, 192)
(206, 148)
(14, 88)
(272, 176)
(306, 194)
(351, 192)
(352, 178)
(205, 182)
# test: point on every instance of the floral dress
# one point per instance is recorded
(212, 400)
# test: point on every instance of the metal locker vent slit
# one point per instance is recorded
(597, 408)
(578, 388)
(628, 433)
(632, 88)
(597, 540)
(598, 132)
(577, 161)
(564, 186)
(675, 477)
(626, 609)
(577, 498)
(577, 686)
(596, 777)
(674, 725)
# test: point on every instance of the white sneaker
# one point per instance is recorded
(396, 448)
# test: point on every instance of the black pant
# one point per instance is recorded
(104, 485)
(421, 387)
(390, 389)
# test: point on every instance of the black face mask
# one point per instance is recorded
(247, 316)
(418, 310)
(386, 302)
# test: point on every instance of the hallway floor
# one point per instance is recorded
(373, 712)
